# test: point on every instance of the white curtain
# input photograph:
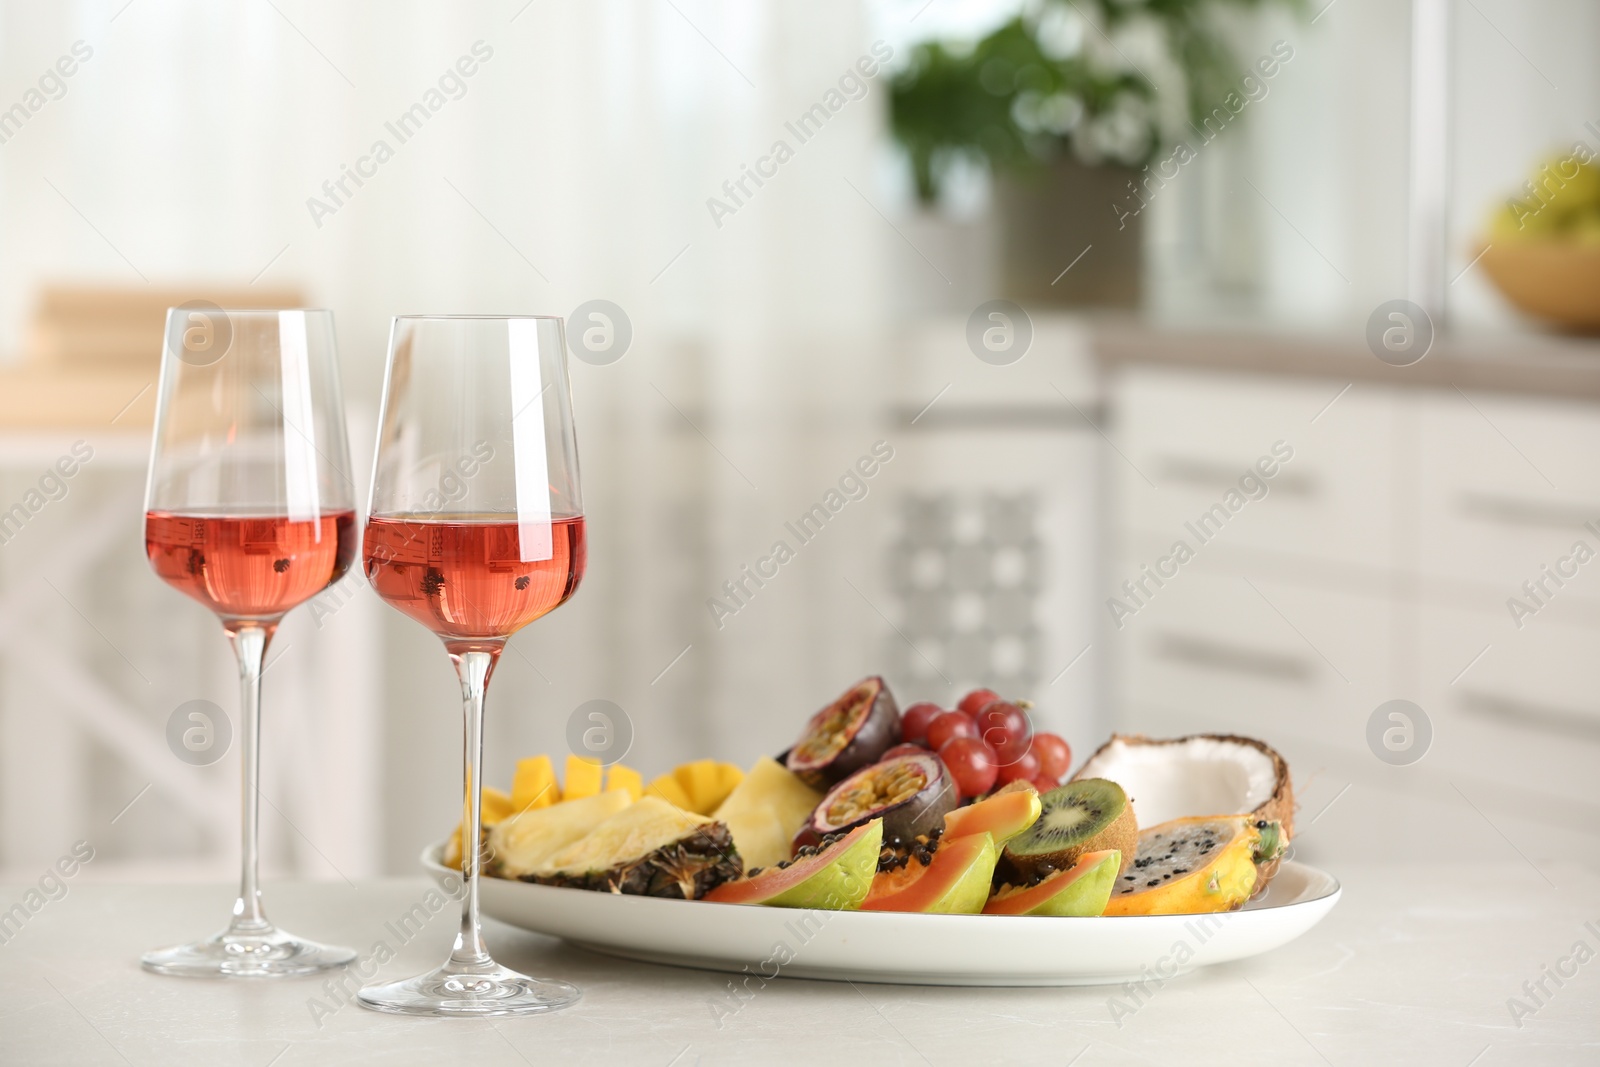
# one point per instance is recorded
(573, 163)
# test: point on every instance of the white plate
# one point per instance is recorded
(987, 950)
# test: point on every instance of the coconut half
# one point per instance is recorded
(1203, 774)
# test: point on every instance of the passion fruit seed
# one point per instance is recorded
(831, 735)
(895, 785)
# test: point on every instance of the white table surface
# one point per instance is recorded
(1414, 966)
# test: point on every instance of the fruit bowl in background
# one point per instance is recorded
(1555, 280)
(975, 950)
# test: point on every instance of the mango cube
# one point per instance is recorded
(534, 785)
(626, 779)
(583, 777)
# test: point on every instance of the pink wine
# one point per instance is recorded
(466, 578)
(250, 566)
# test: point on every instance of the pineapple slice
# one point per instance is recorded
(764, 812)
(624, 779)
(522, 843)
(534, 785)
(699, 787)
(583, 777)
(650, 848)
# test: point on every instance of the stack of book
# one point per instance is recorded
(93, 354)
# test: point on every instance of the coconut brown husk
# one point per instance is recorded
(1278, 807)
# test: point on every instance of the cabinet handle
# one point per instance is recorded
(1216, 477)
(1525, 713)
(1511, 511)
(1257, 662)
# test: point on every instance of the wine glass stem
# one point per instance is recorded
(473, 667)
(250, 646)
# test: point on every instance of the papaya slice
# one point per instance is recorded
(1081, 890)
(836, 877)
(955, 881)
(1003, 816)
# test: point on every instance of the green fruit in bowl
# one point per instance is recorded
(1585, 227)
(1557, 201)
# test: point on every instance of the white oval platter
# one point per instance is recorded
(980, 950)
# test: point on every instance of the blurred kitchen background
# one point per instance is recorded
(153, 152)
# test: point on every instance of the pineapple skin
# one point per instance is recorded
(685, 869)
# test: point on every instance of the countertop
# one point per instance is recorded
(1415, 965)
(1542, 365)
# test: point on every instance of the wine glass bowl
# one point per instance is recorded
(249, 510)
(475, 529)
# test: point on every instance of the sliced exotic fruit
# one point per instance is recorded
(834, 877)
(1190, 866)
(1078, 818)
(1203, 774)
(1002, 816)
(585, 776)
(620, 779)
(765, 810)
(1081, 890)
(524, 842)
(534, 784)
(649, 848)
(852, 732)
(700, 787)
(947, 877)
(910, 793)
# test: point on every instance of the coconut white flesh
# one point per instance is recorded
(1200, 776)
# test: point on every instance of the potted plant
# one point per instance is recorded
(1066, 122)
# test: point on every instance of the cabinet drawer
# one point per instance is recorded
(1196, 436)
(1527, 713)
(1505, 488)
(1257, 657)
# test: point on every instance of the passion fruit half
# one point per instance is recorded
(911, 794)
(851, 733)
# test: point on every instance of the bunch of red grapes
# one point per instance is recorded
(985, 742)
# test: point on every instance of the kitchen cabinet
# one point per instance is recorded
(1379, 564)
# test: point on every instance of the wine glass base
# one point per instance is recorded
(451, 993)
(271, 954)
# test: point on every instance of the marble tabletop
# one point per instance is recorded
(1419, 964)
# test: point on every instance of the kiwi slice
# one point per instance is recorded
(1080, 817)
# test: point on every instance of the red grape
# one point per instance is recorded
(1044, 783)
(1005, 727)
(948, 725)
(1055, 755)
(971, 764)
(914, 721)
(974, 701)
(1025, 766)
(903, 750)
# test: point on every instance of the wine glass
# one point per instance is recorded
(475, 529)
(249, 509)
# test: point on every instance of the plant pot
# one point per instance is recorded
(1049, 216)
